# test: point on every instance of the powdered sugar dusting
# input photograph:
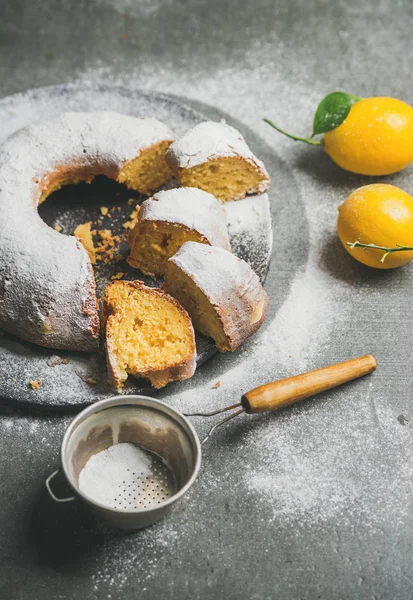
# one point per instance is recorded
(351, 538)
(47, 294)
(191, 207)
(250, 231)
(231, 286)
(82, 378)
(306, 315)
(211, 140)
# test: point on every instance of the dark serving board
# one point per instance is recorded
(74, 379)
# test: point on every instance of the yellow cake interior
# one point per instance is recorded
(202, 313)
(145, 331)
(148, 171)
(226, 178)
(145, 173)
(153, 242)
(83, 232)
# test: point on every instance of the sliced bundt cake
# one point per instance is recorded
(215, 157)
(47, 287)
(171, 218)
(221, 293)
(148, 334)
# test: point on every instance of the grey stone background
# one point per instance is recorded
(314, 503)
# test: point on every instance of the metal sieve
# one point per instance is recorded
(170, 445)
(165, 435)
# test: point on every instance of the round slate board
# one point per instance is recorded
(75, 379)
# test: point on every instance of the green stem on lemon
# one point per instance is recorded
(295, 137)
(386, 251)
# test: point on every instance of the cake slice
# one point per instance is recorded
(221, 293)
(216, 158)
(171, 218)
(149, 169)
(148, 334)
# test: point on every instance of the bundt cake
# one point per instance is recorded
(221, 293)
(171, 218)
(148, 334)
(47, 287)
(215, 157)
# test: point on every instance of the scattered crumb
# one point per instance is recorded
(35, 383)
(403, 420)
(92, 381)
(84, 235)
(134, 217)
(55, 360)
(99, 221)
(108, 249)
(131, 201)
(109, 216)
(104, 210)
(58, 228)
(118, 275)
(216, 385)
(245, 350)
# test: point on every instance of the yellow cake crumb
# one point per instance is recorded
(35, 383)
(118, 275)
(104, 210)
(133, 219)
(108, 249)
(216, 385)
(83, 233)
(58, 228)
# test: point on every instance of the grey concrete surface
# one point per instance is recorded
(315, 503)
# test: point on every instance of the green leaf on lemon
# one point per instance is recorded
(332, 111)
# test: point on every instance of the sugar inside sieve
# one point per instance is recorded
(127, 477)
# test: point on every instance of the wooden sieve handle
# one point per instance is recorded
(278, 394)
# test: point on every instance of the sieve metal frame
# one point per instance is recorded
(132, 400)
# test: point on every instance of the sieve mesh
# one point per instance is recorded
(127, 477)
(143, 490)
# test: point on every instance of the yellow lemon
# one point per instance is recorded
(369, 136)
(378, 214)
(376, 137)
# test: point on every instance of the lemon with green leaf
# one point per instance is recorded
(369, 136)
